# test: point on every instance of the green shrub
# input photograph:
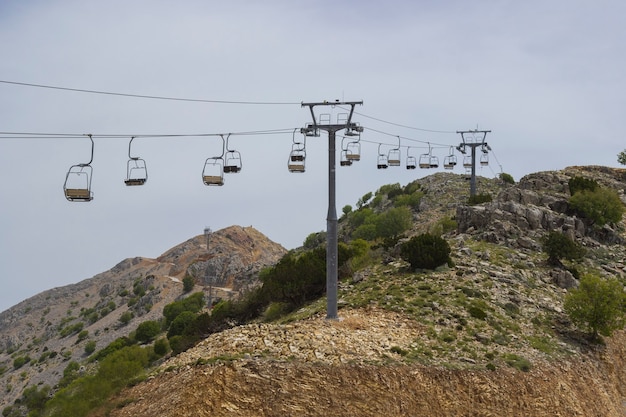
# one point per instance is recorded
(161, 346)
(558, 246)
(314, 240)
(621, 157)
(518, 362)
(479, 199)
(601, 206)
(597, 305)
(477, 312)
(426, 251)
(393, 222)
(20, 361)
(180, 323)
(188, 283)
(126, 317)
(275, 311)
(90, 347)
(147, 331)
(507, 178)
(577, 184)
(193, 303)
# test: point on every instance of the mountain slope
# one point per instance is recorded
(48, 331)
(486, 337)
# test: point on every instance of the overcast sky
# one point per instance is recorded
(546, 77)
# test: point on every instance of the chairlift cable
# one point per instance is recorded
(110, 93)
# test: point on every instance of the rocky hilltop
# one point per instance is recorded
(413, 343)
(45, 332)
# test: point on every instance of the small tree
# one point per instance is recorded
(90, 347)
(621, 157)
(426, 251)
(147, 331)
(577, 184)
(597, 305)
(558, 246)
(188, 283)
(507, 178)
(601, 206)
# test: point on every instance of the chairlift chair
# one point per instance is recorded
(353, 151)
(433, 162)
(484, 159)
(383, 163)
(213, 172)
(232, 158)
(344, 160)
(136, 173)
(467, 161)
(411, 161)
(232, 162)
(77, 186)
(449, 162)
(424, 162)
(393, 158)
(297, 157)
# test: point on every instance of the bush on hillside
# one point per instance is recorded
(558, 246)
(193, 303)
(601, 206)
(479, 199)
(597, 305)
(507, 178)
(147, 331)
(577, 184)
(426, 252)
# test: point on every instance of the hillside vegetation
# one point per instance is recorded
(478, 324)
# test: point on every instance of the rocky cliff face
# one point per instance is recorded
(52, 328)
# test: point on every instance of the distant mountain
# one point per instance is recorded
(41, 335)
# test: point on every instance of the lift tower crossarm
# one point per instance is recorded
(331, 219)
(473, 146)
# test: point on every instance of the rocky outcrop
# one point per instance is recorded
(520, 215)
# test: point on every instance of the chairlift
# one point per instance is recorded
(484, 158)
(353, 151)
(424, 162)
(344, 160)
(467, 161)
(393, 157)
(297, 156)
(213, 171)
(449, 162)
(232, 159)
(433, 162)
(411, 161)
(77, 186)
(136, 171)
(383, 163)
